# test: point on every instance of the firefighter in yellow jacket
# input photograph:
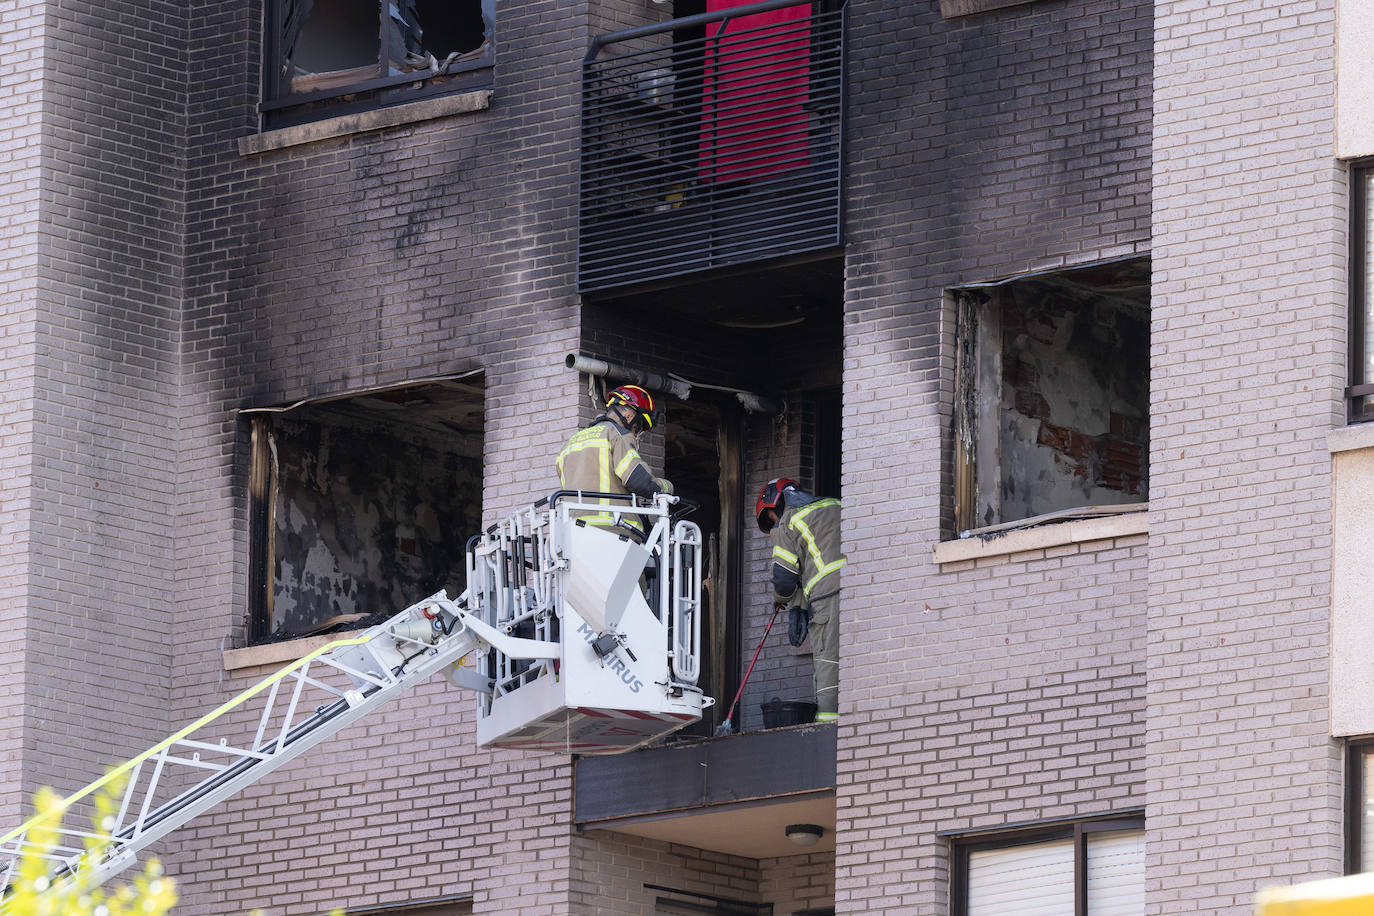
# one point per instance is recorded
(604, 458)
(805, 531)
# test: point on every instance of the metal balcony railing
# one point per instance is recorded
(711, 140)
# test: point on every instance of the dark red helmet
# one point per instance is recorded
(770, 497)
(637, 399)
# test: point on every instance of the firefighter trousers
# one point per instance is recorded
(825, 652)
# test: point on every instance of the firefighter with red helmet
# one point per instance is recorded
(604, 457)
(805, 531)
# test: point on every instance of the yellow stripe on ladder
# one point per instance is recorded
(121, 770)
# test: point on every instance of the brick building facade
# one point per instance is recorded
(1075, 361)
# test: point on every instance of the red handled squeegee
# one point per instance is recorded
(727, 727)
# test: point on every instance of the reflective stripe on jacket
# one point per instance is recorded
(806, 550)
(603, 459)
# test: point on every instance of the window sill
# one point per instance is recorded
(953, 9)
(1351, 438)
(379, 119)
(276, 653)
(1130, 520)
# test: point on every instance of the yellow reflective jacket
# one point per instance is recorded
(603, 459)
(806, 550)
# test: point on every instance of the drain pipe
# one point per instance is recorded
(675, 387)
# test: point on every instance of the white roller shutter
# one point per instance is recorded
(1031, 880)
(1116, 873)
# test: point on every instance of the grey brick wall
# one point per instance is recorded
(93, 282)
(610, 872)
(1022, 143)
(1248, 341)
(21, 91)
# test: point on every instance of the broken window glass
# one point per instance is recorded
(1051, 407)
(362, 44)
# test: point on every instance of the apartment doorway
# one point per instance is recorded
(703, 457)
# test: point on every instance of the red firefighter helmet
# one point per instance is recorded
(770, 497)
(635, 398)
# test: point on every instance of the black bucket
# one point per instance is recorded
(779, 713)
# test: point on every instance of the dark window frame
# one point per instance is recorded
(280, 108)
(970, 482)
(1078, 831)
(1356, 750)
(1358, 394)
(264, 479)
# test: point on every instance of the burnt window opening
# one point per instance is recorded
(336, 56)
(361, 506)
(1051, 394)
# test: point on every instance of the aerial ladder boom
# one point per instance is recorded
(564, 639)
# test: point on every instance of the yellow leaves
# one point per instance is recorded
(33, 893)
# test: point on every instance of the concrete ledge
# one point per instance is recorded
(276, 653)
(378, 119)
(952, 9)
(1058, 534)
(1350, 438)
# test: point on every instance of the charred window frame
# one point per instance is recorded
(1080, 834)
(360, 505)
(1360, 393)
(323, 58)
(1359, 806)
(1050, 396)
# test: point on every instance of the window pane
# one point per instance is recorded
(1367, 370)
(1031, 880)
(1116, 873)
(339, 44)
(1367, 805)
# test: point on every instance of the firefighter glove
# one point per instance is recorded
(665, 485)
(798, 623)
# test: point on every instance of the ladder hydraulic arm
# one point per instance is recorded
(296, 708)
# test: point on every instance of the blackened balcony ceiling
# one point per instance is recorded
(733, 795)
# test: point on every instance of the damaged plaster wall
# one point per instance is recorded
(367, 519)
(1062, 400)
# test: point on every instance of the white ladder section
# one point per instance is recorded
(296, 708)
